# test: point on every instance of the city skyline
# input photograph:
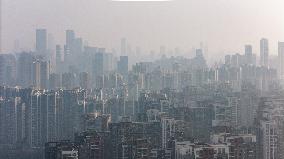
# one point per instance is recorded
(162, 79)
(149, 25)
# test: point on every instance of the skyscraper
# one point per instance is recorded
(98, 69)
(54, 81)
(10, 126)
(42, 113)
(7, 69)
(73, 47)
(84, 80)
(264, 51)
(227, 59)
(248, 50)
(41, 41)
(77, 46)
(281, 59)
(44, 74)
(40, 74)
(24, 69)
(58, 57)
(70, 37)
(248, 54)
(35, 72)
(122, 66)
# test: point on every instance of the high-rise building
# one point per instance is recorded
(34, 114)
(228, 60)
(108, 62)
(54, 81)
(24, 69)
(248, 55)
(11, 120)
(68, 80)
(77, 46)
(58, 54)
(71, 112)
(167, 131)
(45, 112)
(69, 46)
(70, 37)
(248, 50)
(281, 59)
(264, 52)
(269, 124)
(122, 66)
(44, 74)
(40, 74)
(36, 74)
(59, 59)
(85, 82)
(236, 60)
(199, 61)
(99, 64)
(7, 69)
(41, 41)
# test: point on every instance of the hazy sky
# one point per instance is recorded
(225, 25)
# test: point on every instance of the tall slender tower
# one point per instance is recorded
(41, 41)
(264, 50)
(248, 54)
(281, 59)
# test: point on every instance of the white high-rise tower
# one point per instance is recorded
(264, 52)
